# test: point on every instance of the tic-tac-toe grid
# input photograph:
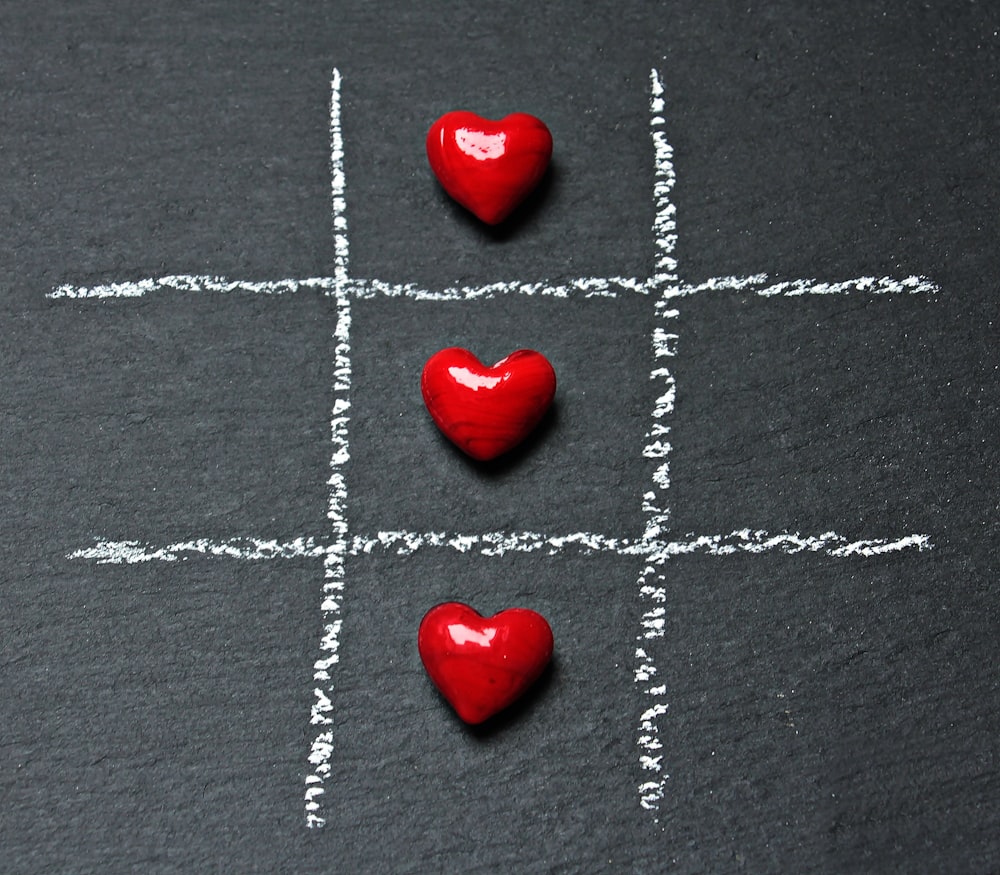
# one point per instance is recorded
(652, 548)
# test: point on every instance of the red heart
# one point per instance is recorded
(484, 410)
(489, 167)
(482, 664)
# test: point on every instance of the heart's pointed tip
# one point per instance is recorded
(470, 718)
(491, 219)
(483, 456)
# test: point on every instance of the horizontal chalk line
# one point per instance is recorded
(135, 552)
(192, 283)
(585, 287)
(759, 284)
(405, 543)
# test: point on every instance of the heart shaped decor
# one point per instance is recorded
(483, 664)
(489, 167)
(486, 411)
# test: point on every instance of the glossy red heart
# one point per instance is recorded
(486, 411)
(483, 664)
(488, 166)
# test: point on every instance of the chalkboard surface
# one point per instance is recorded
(760, 518)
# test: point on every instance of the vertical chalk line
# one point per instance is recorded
(652, 591)
(321, 750)
(338, 184)
(664, 223)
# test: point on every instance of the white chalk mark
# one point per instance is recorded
(191, 283)
(321, 750)
(135, 552)
(581, 288)
(651, 792)
(664, 223)
(338, 184)
(654, 504)
(404, 543)
(320, 754)
(869, 285)
(758, 541)
(718, 283)
(758, 284)
(880, 547)
(584, 287)
(496, 544)
(334, 558)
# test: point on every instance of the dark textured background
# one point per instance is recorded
(835, 715)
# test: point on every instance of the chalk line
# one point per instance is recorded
(759, 541)
(664, 222)
(338, 184)
(650, 584)
(496, 544)
(759, 285)
(137, 552)
(405, 543)
(582, 287)
(322, 747)
(190, 283)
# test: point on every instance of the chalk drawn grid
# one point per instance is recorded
(652, 549)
